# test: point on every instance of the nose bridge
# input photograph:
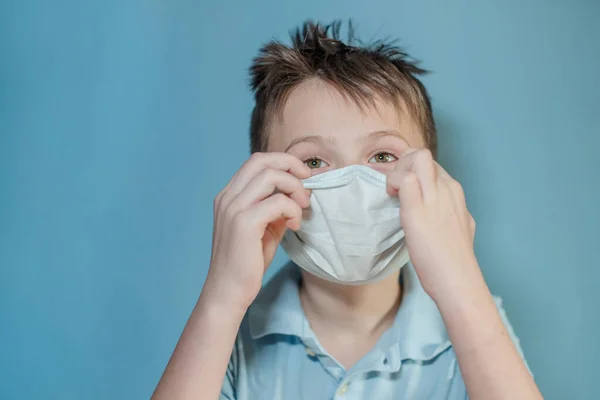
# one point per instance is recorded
(347, 151)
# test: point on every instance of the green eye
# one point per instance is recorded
(383, 158)
(314, 163)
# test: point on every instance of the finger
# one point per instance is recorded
(266, 183)
(410, 192)
(274, 208)
(455, 188)
(442, 173)
(472, 226)
(458, 197)
(219, 197)
(259, 161)
(392, 182)
(402, 167)
(272, 237)
(424, 167)
(420, 162)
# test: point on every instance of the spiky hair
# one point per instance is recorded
(362, 72)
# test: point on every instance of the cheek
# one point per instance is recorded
(383, 167)
(320, 171)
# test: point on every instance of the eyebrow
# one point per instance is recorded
(384, 133)
(308, 138)
(319, 138)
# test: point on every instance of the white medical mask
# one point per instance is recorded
(351, 233)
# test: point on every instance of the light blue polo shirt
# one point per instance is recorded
(277, 355)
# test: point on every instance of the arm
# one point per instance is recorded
(439, 235)
(490, 364)
(199, 362)
(252, 213)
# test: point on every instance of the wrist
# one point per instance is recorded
(224, 287)
(462, 280)
(218, 310)
(219, 298)
(464, 298)
(471, 317)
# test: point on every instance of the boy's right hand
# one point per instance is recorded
(251, 214)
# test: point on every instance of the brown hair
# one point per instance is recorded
(362, 72)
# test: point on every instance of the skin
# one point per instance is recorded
(320, 130)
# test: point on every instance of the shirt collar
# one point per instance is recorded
(418, 329)
(277, 308)
(418, 332)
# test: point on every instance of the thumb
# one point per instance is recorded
(272, 237)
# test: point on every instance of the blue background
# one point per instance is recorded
(120, 121)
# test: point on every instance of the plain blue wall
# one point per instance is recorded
(120, 121)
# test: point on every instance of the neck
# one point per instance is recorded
(365, 309)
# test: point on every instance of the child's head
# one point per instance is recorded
(333, 104)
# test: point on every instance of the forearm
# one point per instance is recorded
(489, 361)
(199, 362)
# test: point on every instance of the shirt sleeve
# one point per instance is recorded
(228, 388)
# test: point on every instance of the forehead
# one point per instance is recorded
(317, 108)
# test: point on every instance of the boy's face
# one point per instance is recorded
(327, 131)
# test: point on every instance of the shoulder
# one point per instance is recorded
(273, 321)
(243, 349)
(258, 358)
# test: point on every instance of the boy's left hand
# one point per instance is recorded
(439, 230)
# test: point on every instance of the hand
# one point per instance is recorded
(438, 227)
(439, 234)
(263, 199)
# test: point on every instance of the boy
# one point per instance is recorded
(343, 175)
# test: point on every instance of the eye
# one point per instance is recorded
(383, 157)
(315, 163)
